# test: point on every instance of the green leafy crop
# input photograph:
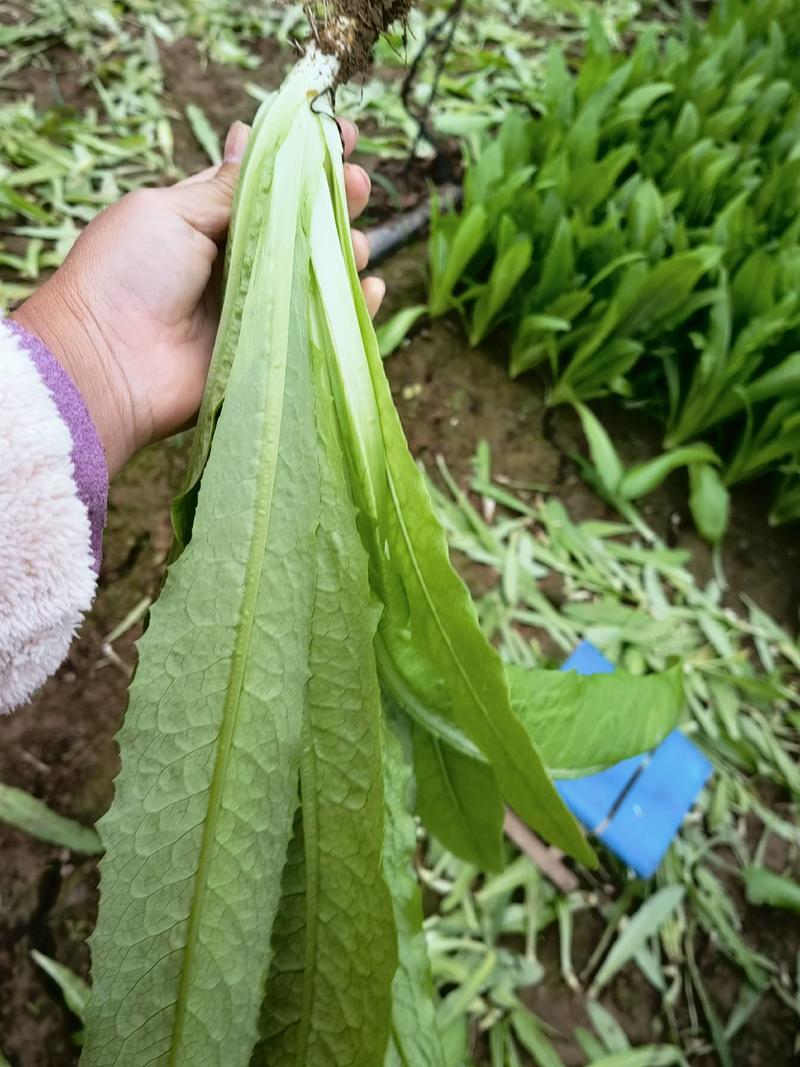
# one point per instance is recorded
(313, 672)
(640, 235)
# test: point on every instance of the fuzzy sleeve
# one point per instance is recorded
(53, 493)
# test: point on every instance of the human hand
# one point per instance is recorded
(132, 314)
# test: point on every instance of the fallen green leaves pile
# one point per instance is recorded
(639, 235)
(637, 601)
(65, 159)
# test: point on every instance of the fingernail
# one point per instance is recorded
(378, 287)
(236, 143)
(353, 168)
(374, 291)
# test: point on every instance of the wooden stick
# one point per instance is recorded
(548, 860)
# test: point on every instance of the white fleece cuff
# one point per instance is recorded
(47, 580)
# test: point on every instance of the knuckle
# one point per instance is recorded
(140, 200)
(225, 179)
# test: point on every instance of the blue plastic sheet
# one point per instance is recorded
(636, 807)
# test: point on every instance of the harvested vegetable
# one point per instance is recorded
(311, 640)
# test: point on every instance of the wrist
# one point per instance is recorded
(59, 318)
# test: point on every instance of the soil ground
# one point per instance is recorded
(61, 747)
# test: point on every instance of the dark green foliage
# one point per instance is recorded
(639, 234)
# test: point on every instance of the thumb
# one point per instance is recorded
(206, 203)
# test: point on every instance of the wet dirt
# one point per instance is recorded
(363, 21)
(219, 91)
(61, 748)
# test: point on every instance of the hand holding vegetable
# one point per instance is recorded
(132, 314)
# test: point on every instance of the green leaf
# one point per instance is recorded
(646, 1056)
(256, 178)
(281, 1009)
(719, 917)
(531, 1036)
(24, 812)
(591, 186)
(455, 1042)
(645, 924)
(337, 1010)
(688, 126)
(590, 1046)
(427, 603)
(212, 740)
(469, 236)
(633, 107)
(205, 133)
(709, 502)
(775, 383)
(581, 724)
(643, 479)
(15, 203)
(76, 992)
(558, 93)
(646, 216)
(458, 801)
(558, 266)
(664, 291)
(392, 333)
(607, 464)
(534, 342)
(443, 623)
(425, 600)
(715, 1026)
(615, 265)
(604, 374)
(787, 503)
(414, 686)
(614, 1037)
(546, 324)
(507, 272)
(415, 1037)
(457, 1003)
(747, 1002)
(765, 887)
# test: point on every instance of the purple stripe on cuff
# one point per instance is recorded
(88, 457)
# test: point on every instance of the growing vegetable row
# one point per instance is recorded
(639, 234)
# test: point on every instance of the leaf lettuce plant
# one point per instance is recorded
(312, 674)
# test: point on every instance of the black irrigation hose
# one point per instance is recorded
(387, 239)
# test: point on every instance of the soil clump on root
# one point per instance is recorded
(353, 26)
